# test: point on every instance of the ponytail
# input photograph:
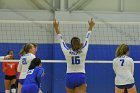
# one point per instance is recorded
(122, 50)
(22, 51)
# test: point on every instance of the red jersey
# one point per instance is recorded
(9, 68)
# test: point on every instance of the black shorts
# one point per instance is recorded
(10, 77)
(127, 86)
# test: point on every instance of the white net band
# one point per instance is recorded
(64, 61)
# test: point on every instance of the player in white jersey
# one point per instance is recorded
(124, 69)
(28, 54)
(75, 58)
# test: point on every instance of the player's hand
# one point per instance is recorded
(40, 91)
(91, 24)
(8, 57)
(56, 26)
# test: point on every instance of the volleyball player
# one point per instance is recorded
(28, 52)
(33, 80)
(10, 70)
(124, 69)
(75, 58)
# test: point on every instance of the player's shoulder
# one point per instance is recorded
(39, 68)
(31, 55)
(115, 59)
(129, 58)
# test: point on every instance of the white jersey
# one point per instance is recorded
(124, 69)
(24, 64)
(75, 61)
(1, 57)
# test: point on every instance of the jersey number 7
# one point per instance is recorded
(75, 60)
(122, 60)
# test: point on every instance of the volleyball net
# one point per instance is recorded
(104, 40)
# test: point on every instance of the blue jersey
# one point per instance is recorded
(34, 76)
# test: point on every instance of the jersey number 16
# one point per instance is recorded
(75, 60)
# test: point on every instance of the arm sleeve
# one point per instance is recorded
(19, 68)
(114, 66)
(132, 66)
(63, 45)
(86, 43)
(1, 57)
(39, 76)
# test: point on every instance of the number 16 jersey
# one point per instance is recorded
(75, 61)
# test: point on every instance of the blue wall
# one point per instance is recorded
(100, 77)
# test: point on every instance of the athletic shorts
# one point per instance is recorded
(30, 88)
(21, 81)
(127, 86)
(10, 77)
(74, 80)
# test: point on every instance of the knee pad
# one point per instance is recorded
(13, 86)
(7, 91)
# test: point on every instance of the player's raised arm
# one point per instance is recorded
(91, 24)
(5, 57)
(62, 43)
(56, 27)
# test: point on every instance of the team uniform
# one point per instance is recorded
(75, 63)
(10, 71)
(33, 80)
(23, 66)
(124, 69)
(2, 57)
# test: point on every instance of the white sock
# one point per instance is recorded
(7, 91)
(13, 90)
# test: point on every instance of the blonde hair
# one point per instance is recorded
(26, 48)
(122, 50)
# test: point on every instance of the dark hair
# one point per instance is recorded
(35, 62)
(122, 50)
(26, 48)
(76, 39)
(8, 52)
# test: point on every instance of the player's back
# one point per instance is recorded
(25, 61)
(75, 61)
(34, 76)
(124, 69)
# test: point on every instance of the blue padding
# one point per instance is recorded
(100, 77)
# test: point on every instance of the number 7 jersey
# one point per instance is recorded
(75, 61)
(124, 69)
